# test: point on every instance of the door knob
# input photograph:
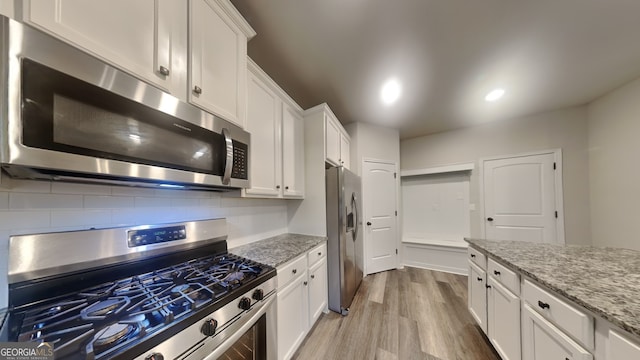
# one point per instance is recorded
(368, 223)
(489, 219)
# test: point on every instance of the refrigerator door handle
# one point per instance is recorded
(356, 226)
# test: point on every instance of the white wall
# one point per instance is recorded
(566, 129)
(614, 167)
(373, 142)
(6, 8)
(41, 206)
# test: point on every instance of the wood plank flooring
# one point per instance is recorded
(402, 315)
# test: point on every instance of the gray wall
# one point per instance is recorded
(614, 164)
(565, 129)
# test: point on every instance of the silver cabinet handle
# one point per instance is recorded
(228, 166)
(164, 71)
(197, 90)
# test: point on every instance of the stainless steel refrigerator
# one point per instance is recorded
(344, 230)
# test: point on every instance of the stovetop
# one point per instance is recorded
(105, 320)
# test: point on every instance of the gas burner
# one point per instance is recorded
(180, 290)
(101, 309)
(234, 278)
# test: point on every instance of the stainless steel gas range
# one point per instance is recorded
(169, 291)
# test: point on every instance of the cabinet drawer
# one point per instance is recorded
(506, 277)
(541, 340)
(477, 257)
(317, 254)
(575, 322)
(291, 270)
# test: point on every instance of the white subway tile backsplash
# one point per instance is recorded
(175, 202)
(19, 185)
(4, 200)
(19, 200)
(132, 191)
(16, 220)
(153, 202)
(83, 189)
(108, 202)
(82, 218)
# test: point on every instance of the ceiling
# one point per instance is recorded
(446, 54)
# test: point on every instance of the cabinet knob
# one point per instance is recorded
(294, 271)
(319, 253)
(368, 223)
(473, 255)
(286, 188)
(543, 305)
(489, 219)
(164, 71)
(277, 186)
(197, 90)
(496, 272)
(305, 283)
(488, 286)
(313, 276)
(479, 279)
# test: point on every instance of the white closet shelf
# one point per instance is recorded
(438, 169)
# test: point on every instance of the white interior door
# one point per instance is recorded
(379, 188)
(520, 198)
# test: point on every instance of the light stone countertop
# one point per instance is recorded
(605, 281)
(278, 250)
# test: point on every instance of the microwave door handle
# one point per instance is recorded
(228, 165)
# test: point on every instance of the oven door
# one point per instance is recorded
(253, 338)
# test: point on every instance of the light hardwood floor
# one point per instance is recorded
(401, 315)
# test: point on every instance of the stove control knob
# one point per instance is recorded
(258, 295)
(245, 303)
(209, 327)
(154, 356)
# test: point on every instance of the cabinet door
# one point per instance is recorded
(263, 122)
(621, 349)
(478, 295)
(345, 151)
(292, 153)
(541, 340)
(317, 291)
(503, 320)
(332, 141)
(218, 71)
(293, 315)
(138, 36)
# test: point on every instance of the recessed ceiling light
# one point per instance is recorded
(390, 91)
(494, 95)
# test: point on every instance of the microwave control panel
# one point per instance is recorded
(240, 161)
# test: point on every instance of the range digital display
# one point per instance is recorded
(155, 236)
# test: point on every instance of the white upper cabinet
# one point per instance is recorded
(292, 152)
(277, 139)
(147, 38)
(263, 122)
(218, 72)
(337, 143)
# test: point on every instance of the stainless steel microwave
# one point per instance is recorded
(68, 116)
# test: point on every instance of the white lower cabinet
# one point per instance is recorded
(293, 312)
(477, 282)
(302, 297)
(541, 340)
(622, 349)
(317, 291)
(503, 320)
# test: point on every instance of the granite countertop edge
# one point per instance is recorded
(613, 318)
(280, 249)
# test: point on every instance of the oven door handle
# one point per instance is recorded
(218, 351)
